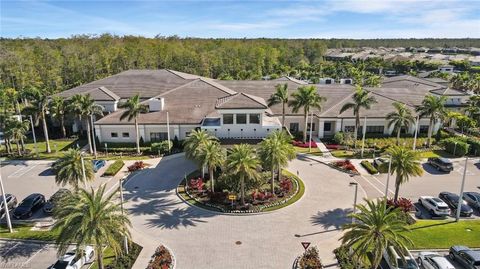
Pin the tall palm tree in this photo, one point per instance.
(194, 143)
(361, 99)
(280, 96)
(212, 156)
(76, 109)
(38, 108)
(58, 109)
(68, 169)
(434, 108)
(91, 218)
(275, 151)
(88, 109)
(376, 228)
(402, 117)
(306, 97)
(15, 131)
(243, 162)
(405, 164)
(473, 108)
(133, 108)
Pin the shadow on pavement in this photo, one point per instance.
(13, 249)
(332, 218)
(432, 170)
(180, 217)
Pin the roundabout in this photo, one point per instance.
(216, 240)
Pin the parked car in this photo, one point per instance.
(32, 203)
(52, 202)
(434, 205)
(11, 203)
(71, 260)
(468, 258)
(377, 162)
(433, 260)
(97, 164)
(451, 199)
(472, 199)
(2, 138)
(395, 261)
(441, 164)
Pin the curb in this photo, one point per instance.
(35, 241)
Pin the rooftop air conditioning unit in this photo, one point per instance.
(156, 104)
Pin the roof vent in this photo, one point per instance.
(156, 104)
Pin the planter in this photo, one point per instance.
(162, 259)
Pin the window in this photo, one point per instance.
(327, 126)
(375, 129)
(241, 118)
(349, 129)
(158, 136)
(423, 129)
(125, 135)
(313, 126)
(254, 118)
(114, 134)
(294, 127)
(227, 118)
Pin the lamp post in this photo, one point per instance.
(7, 213)
(364, 130)
(354, 199)
(93, 137)
(388, 176)
(416, 133)
(125, 239)
(83, 171)
(454, 148)
(460, 198)
(106, 149)
(311, 127)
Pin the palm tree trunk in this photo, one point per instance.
(99, 257)
(45, 132)
(430, 129)
(137, 136)
(18, 148)
(357, 124)
(283, 115)
(62, 126)
(398, 136)
(212, 187)
(272, 181)
(305, 120)
(242, 190)
(7, 148)
(89, 138)
(80, 127)
(397, 189)
(279, 172)
(22, 143)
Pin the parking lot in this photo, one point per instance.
(22, 178)
(27, 254)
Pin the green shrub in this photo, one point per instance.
(161, 147)
(113, 169)
(369, 167)
(460, 149)
(339, 138)
(310, 259)
(345, 259)
(474, 146)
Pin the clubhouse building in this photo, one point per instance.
(238, 109)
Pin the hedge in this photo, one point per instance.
(459, 146)
(113, 169)
(369, 167)
(161, 147)
(474, 146)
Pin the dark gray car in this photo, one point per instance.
(11, 203)
(470, 259)
(473, 199)
(441, 164)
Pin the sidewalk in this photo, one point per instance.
(325, 152)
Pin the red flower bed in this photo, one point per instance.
(196, 183)
(333, 146)
(161, 259)
(304, 145)
(346, 165)
(286, 185)
(403, 203)
(136, 166)
(261, 195)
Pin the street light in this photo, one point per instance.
(416, 133)
(454, 148)
(7, 212)
(388, 176)
(311, 127)
(125, 240)
(354, 199)
(460, 198)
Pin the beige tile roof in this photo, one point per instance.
(241, 101)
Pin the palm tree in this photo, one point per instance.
(405, 163)
(15, 131)
(88, 109)
(212, 156)
(280, 96)
(133, 108)
(376, 228)
(361, 99)
(76, 108)
(38, 108)
(58, 108)
(402, 117)
(433, 107)
(473, 108)
(68, 169)
(308, 98)
(91, 218)
(243, 162)
(275, 151)
(194, 143)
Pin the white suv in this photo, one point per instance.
(435, 206)
(395, 261)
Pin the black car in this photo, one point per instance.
(472, 198)
(32, 203)
(451, 199)
(441, 164)
(470, 259)
(51, 203)
(11, 203)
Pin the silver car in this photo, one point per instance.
(433, 260)
(472, 198)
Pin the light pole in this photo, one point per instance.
(125, 240)
(83, 171)
(93, 137)
(311, 127)
(168, 134)
(34, 136)
(354, 199)
(106, 149)
(364, 129)
(7, 212)
(454, 148)
(416, 133)
(460, 198)
(388, 176)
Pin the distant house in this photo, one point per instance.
(327, 81)
(446, 68)
(346, 81)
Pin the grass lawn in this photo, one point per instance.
(22, 231)
(436, 153)
(315, 150)
(444, 233)
(58, 146)
(349, 154)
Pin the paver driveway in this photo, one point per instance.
(203, 239)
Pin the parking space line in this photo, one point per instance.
(375, 187)
(34, 254)
(19, 172)
(389, 190)
(5, 254)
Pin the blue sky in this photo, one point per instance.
(283, 19)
